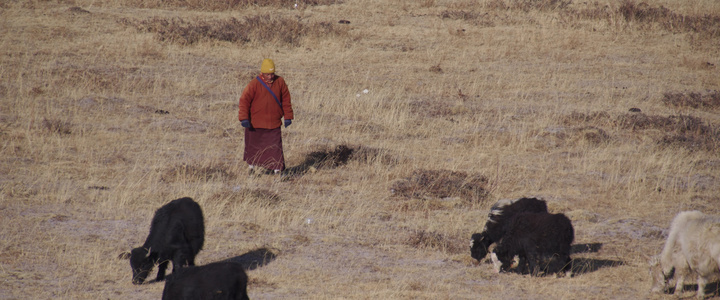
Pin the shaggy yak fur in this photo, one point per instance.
(540, 240)
(218, 281)
(691, 249)
(498, 221)
(177, 234)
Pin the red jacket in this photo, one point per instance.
(259, 106)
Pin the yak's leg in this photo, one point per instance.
(679, 283)
(702, 281)
(532, 259)
(161, 270)
(497, 264)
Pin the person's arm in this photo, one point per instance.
(245, 101)
(286, 102)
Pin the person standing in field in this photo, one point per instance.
(264, 104)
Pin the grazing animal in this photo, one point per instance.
(692, 248)
(218, 281)
(497, 223)
(177, 234)
(540, 240)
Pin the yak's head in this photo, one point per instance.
(479, 245)
(141, 264)
(660, 278)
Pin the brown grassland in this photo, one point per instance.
(609, 110)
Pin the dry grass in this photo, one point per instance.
(412, 118)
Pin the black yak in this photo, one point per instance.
(692, 248)
(540, 240)
(498, 218)
(177, 234)
(218, 281)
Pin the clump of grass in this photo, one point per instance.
(472, 17)
(528, 5)
(593, 135)
(284, 30)
(709, 100)
(679, 123)
(668, 19)
(222, 5)
(239, 195)
(423, 239)
(578, 118)
(459, 15)
(197, 173)
(683, 131)
(692, 142)
(56, 126)
(425, 184)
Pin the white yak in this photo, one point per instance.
(692, 248)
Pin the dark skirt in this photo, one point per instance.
(263, 148)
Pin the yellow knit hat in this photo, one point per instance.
(268, 66)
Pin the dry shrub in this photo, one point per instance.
(78, 10)
(681, 123)
(563, 137)
(709, 100)
(592, 135)
(427, 205)
(56, 126)
(542, 5)
(639, 14)
(577, 118)
(460, 15)
(367, 154)
(187, 172)
(239, 195)
(682, 131)
(424, 184)
(692, 141)
(436, 69)
(640, 121)
(596, 11)
(221, 5)
(528, 5)
(422, 239)
(263, 28)
(671, 21)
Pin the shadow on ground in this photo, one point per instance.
(711, 289)
(333, 158)
(589, 265)
(322, 159)
(585, 248)
(255, 258)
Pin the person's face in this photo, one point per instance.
(267, 76)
